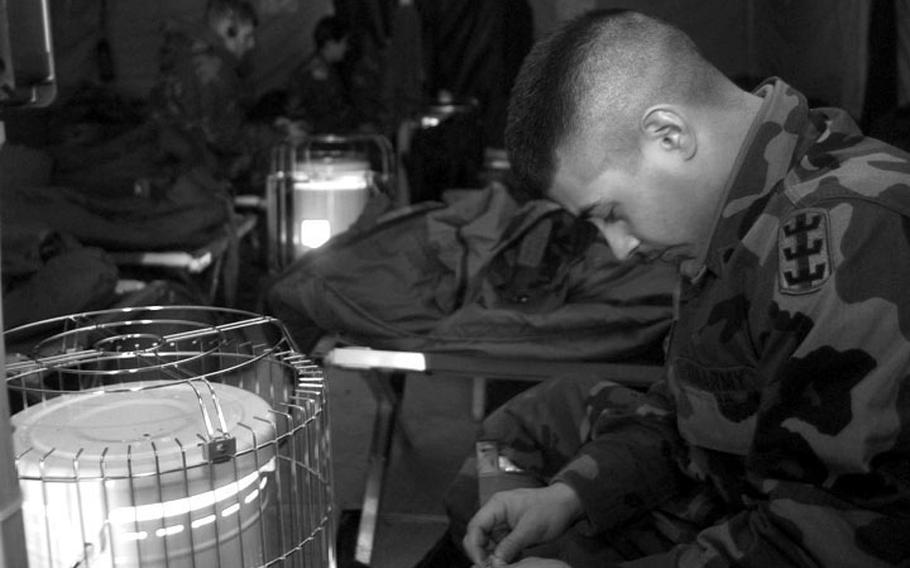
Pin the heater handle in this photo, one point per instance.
(218, 445)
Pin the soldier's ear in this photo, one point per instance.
(668, 129)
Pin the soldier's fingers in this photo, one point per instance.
(475, 545)
(511, 545)
(480, 532)
(528, 531)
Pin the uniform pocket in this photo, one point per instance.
(717, 406)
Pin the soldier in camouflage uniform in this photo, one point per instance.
(784, 418)
(201, 98)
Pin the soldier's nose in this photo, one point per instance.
(617, 235)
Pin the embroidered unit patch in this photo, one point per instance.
(805, 263)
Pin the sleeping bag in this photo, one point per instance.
(477, 272)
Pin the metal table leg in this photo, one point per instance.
(387, 388)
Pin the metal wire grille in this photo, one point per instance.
(170, 436)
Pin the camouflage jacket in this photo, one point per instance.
(200, 98)
(787, 392)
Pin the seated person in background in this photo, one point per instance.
(780, 435)
(317, 93)
(201, 98)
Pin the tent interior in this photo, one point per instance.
(829, 51)
(853, 54)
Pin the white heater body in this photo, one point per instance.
(329, 193)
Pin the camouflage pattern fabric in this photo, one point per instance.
(788, 366)
(540, 430)
(200, 102)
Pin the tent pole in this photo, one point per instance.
(12, 530)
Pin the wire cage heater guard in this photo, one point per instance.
(177, 436)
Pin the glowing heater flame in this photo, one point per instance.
(184, 505)
(315, 232)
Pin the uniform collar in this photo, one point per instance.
(779, 136)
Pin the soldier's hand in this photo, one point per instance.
(514, 520)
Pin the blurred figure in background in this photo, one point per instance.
(318, 93)
(202, 97)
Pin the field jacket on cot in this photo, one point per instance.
(787, 387)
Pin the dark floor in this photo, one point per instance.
(436, 413)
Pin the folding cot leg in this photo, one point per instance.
(387, 387)
(478, 398)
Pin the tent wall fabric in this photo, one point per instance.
(284, 39)
(473, 50)
(820, 47)
(902, 19)
(719, 27)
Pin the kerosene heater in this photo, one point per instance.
(318, 188)
(173, 437)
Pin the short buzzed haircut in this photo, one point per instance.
(601, 69)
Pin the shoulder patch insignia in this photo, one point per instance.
(804, 258)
